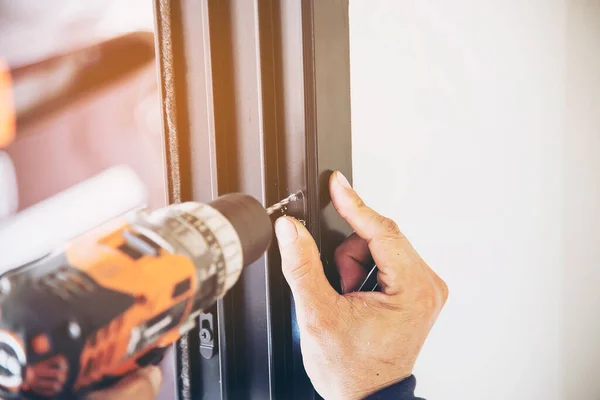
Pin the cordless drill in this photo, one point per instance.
(86, 315)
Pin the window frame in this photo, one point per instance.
(255, 97)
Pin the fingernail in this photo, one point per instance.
(155, 377)
(342, 180)
(286, 230)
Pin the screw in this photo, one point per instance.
(74, 330)
(205, 335)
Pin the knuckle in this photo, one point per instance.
(439, 284)
(388, 226)
(300, 269)
(296, 260)
(426, 299)
(358, 203)
(430, 296)
(443, 289)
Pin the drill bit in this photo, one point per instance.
(278, 206)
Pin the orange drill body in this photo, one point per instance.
(144, 279)
(8, 120)
(84, 316)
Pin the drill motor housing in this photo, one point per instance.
(82, 317)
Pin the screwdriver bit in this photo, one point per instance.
(280, 205)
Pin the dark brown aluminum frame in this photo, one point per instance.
(256, 99)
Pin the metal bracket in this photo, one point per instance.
(207, 336)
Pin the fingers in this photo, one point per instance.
(365, 221)
(352, 259)
(302, 267)
(143, 385)
(393, 254)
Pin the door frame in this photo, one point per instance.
(255, 97)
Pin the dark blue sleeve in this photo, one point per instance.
(403, 390)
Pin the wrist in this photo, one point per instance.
(400, 389)
(364, 390)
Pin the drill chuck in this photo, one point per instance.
(220, 238)
(250, 221)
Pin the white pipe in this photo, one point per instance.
(9, 196)
(39, 229)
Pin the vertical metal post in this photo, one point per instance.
(256, 99)
(183, 49)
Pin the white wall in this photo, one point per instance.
(476, 125)
(581, 204)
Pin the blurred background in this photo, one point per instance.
(482, 120)
(85, 90)
(85, 87)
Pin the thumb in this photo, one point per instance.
(143, 384)
(302, 267)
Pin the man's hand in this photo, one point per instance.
(357, 343)
(141, 385)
